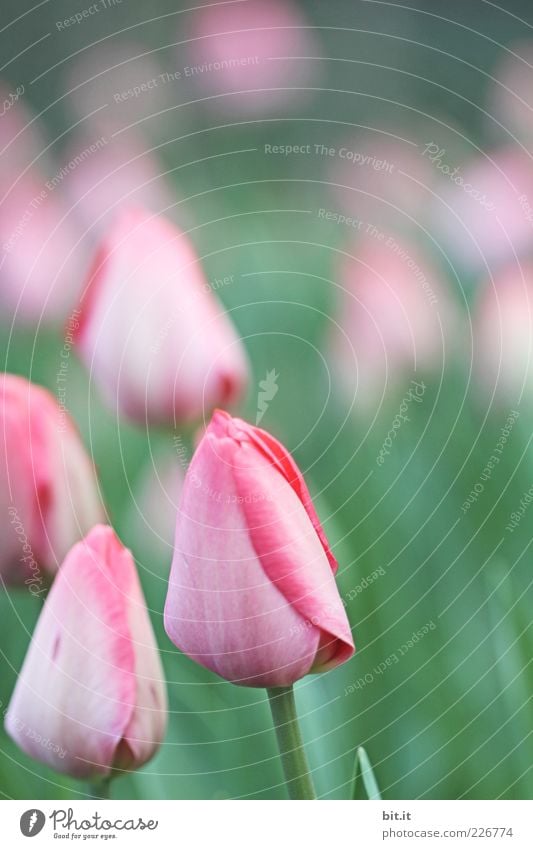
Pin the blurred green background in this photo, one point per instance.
(453, 717)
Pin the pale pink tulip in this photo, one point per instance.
(483, 216)
(90, 698)
(155, 498)
(42, 262)
(503, 332)
(252, 594)
(511, 93)
(119, 171)
(381, 181)
(395, 319)
(48, 490)
(152, 334)
(249, 58)
(116, 84)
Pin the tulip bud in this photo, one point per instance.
(117, 172)
(42, 262)
(48, 489)
(251, 594)
(395, 318)
(151, 331)
(480, 213)
(240, 57)
(502, 332)
(90, 697)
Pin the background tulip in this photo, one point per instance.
(48, 490)
(151, 332)
(251, 594)
(395, 318)
(241, 57)
(503, 332)
(121, 171)
(42, 262)
(91, 685)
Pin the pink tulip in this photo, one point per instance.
(249, 58)
(117, 172)
(42, 264)
(20, 138)
(510, 95)
(48, 489)
(503, 332)
(381, 181)
(116, 84)
(485, 219)
(90, 696)
(152, 333)
(395, 319)
(152, 514)
(252, 594)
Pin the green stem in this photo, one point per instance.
(100, 788)
(290, 743)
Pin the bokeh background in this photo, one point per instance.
(395, 97)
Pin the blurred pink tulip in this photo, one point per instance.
(48, 489)
(90, 696)
(252, 594)
(382, 181)
(238, 52)
(395, 318)
(511, 93)
(152, 515)
(503, 332)
(151, 332)
(42, 263)
(486, 219)
(20, 138)
(120, 171)
(114, 85)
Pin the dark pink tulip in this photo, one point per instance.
(252, 594)
(90, 696)
(48, 490)
(154, 337)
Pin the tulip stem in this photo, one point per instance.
(100, 788)
(290, 743)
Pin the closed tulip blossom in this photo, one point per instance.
(48, 488)
(395, 319)
(43, 263)
(503, 333)
(252, 594)
(153, 335)
(251, 58)
(90, 699)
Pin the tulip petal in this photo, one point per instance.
(221, 609)
(292, 554)
(76, 693)
(278, 455)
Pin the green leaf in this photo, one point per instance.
(363, 769)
